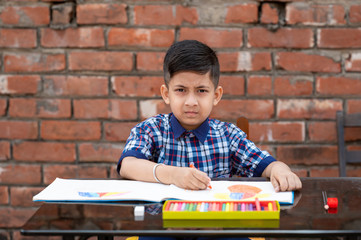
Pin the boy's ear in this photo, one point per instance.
(217, 95)
(165, 93)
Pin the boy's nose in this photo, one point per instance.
(191, 100)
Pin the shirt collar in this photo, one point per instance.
(201, 132)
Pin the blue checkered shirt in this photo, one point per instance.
(217, 148)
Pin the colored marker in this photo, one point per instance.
(223, 207)
(274, 206)
(270, 207)
(190, 207)
(258, 205)
(168, 206)
(243, 207)
(191, 165)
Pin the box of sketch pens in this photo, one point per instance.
(225, 214)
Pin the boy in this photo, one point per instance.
(165, 148)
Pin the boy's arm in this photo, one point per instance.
(183, 177)
(281, 176)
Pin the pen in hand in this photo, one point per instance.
(191, 165)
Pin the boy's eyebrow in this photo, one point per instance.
(182, 86)
(202, 86)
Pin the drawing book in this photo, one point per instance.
(71, 190)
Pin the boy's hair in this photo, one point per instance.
(191, 55)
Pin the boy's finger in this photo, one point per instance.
(202, 178)
(275, 184)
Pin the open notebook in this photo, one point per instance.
(70, 190)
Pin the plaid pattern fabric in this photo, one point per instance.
(217, 148)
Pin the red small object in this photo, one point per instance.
(332, 202)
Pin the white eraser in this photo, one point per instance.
(139, 213)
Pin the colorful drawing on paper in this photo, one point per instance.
(101, 194)
(241, 192)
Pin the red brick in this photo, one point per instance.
(164, 15)
(316, 15)
(242, 13)
(244, 61)
(62, 14)
(302, 62)
(73, 37)
(269, 13)
(44, 151)
(355, 14)
(4, 195)
(34, 62)
(75, 86)
(324, 172)
(338, 86)
(353, 172)
(20, 174)
(40, 107)
(300, 172)
(96, 171)
(114, 173)
(252, 109)
(259, 85)
(25, 15)
(118, 131)
(352, 134)
(73, 171)
(14, 217)
(308, 155)
(232, 85)
(23, 196)
(19, 84)
(3, 107)
(150, 61)
(18, 38)
(99, 152)
(4, 151)
(140, 37)
(101, 13)
(6, 234)
(214, 38)
(339, 38)
(353, 62)
(282, 38)
(18, 130)
(322, 131)
(101, 61)
(353, 106)
(149, 108)
(308, 108)
(70, 130)
(277, 132)
(137, 86)
(105, 108)
(293, 86)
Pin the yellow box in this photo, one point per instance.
(177, 213)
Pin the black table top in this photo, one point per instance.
(305, 218)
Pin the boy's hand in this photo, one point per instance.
(190, 178)
(282, 178)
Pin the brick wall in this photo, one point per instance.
(75, 76)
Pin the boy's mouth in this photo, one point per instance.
(191, 113)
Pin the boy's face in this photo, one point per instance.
(191, 97)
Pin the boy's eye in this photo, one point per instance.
(179, 90)
(202, 90)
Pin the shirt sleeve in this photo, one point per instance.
(248, 159)
(140, 144)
